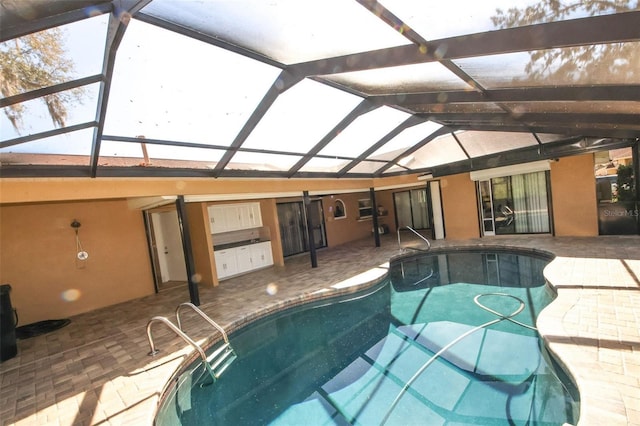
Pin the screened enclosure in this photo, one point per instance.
(331, 89)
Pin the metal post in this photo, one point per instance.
(188, 252)
(312, 243)
(374, 216)
(635, 155)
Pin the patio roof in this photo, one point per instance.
(330, 89)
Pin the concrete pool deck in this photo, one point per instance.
(96, 370)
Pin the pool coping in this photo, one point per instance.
(601, 401)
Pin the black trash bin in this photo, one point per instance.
(8, 347)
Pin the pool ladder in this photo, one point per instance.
(423, 238)
(217, 362)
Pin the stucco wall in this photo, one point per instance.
(349, 228)
(38, 248)
(460, 207)
(269, 212)
(201, 244)
(573, 188)
(385, 200)
(38, 257)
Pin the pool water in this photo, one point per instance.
(449, 338)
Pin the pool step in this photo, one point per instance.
(221, 359)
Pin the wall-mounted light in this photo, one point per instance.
(426, 176)
(82, 255)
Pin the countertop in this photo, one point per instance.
(239, 244)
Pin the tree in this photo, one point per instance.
(626, 186)
(32, 62)
(576, 64)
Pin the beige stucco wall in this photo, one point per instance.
(269, 212)
(350, 227)
(37, 243)
(38, 257)
(201, 244)
(573, 188)
(460, 208)
(385, 200)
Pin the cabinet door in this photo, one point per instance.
(232, 217)
(253, 217)
(261, 255)
(243, 256)
(217, 219)
(226, 263)
(249, 215)
(244, 212)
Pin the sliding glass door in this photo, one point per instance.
(293, 227)
(412, 209)
(516, 204)
(530, 202)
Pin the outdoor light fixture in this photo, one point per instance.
(82, 255)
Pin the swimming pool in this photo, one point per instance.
(447, 338)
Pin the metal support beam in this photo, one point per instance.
(312, 243)
(183, 223)
(284, 82)
(602, 29)
(362, 108)
(441, 131)
(635, 155)
(611, 92)
(118, 22)
(374, 216)
(409, 122)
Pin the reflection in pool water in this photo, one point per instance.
(449, 338)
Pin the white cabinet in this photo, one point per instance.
(250, 216)
(242, 259)
(226, 262)
(217, 219)
(234, 217)
(261, 255)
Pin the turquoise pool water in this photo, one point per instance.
(448, 339)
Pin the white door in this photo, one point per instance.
(436, 207)
(169, 245)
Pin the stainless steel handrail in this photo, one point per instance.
(184, 337)
(203, 315)
(176, 330)
(415, 232)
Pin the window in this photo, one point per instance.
(364, 208)
(339, 211)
